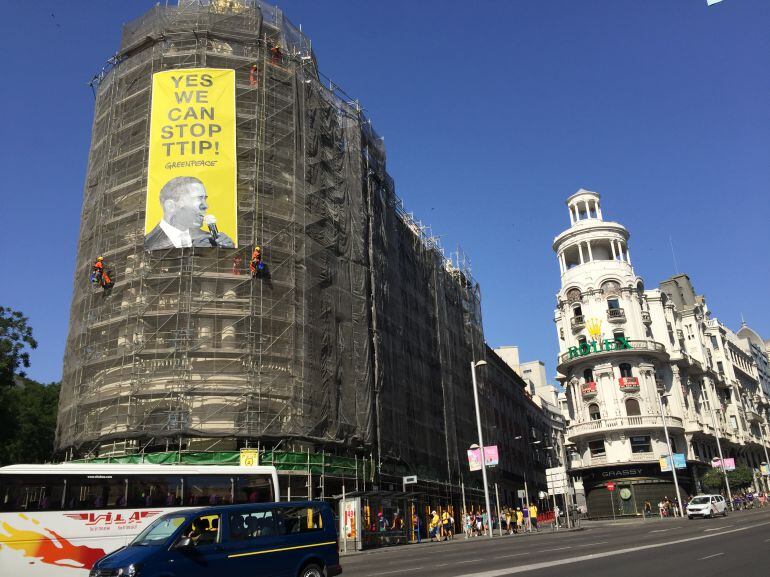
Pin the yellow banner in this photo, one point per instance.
(191, 186)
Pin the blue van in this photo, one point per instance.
(290, 539)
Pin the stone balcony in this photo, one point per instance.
(622, 423)
(588, 390)
(578, 322)
(646, 317)
(616, 315)
(628, 384)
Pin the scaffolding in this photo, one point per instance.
(358, 346)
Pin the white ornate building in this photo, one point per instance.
(622, 348)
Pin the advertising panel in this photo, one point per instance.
(679, 462)
(191, 183)
(490, 454)
(729, 464)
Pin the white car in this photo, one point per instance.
(707, 506)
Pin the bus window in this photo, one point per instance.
(96, 492)
(155, 491)
(254, 489)
(33, 493)
(202, 490)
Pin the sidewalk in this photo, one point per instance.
(458, 539)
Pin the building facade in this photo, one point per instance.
(632, 358)
(350, 362)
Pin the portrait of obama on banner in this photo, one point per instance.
(192, 163)
(183, 200)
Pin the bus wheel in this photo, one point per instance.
(311, 570)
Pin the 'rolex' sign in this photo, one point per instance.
(599, 346)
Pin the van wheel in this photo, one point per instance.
(311, 570)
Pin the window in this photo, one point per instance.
(618, 336)
(625, 370)
(203, 490)
(641, 444)
(714, 342)
(254, 489)
(155, 491)
(613, 304)
(582, 341)
(577, 311)
(720, 367)
(632, 408)
(588, 375)
(33, 493)
(203, 530)
(594, 412)
(252, 525)
(733, 422)
(300, 520)
(597, 448)
(96, 492)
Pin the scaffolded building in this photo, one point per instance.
(357, 348)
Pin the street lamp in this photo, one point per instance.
(670, 453)
(717, 432)
(475, 364)
(526, 489)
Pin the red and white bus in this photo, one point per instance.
(59, 519)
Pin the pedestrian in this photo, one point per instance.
(527, 523)
(556, 513)
(434, 526)
(533, 517)
(519, 520)
(468, 525)
(479, 523)
(647, 509)
(417, 527)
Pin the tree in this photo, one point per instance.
(27, 422)
(713, 479)
(15, 338)
(741, 477)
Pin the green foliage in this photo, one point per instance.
(27, 422)
(15, 338)
(741, 477)
(713, 479)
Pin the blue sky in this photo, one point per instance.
(493, 113)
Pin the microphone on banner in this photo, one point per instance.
(211, 223)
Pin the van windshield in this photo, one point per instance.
(700, 501)
(159, 531)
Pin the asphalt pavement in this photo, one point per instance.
(736, 545)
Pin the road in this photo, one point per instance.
(736, 545)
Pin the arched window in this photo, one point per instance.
(632, 408)
(594, 412)
(625, 370)
(577, 310)
(588, 375)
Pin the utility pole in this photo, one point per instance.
(475, 364)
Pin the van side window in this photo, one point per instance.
(300, 520)
(203, 530)
(251, 525)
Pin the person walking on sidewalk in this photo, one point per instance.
(417, 527)
(525, 516)
(519, 520)
(434, 526)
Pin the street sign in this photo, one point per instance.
(557, 481)
(249, 457)
(410, 480)
(610, 486)
(521, 494)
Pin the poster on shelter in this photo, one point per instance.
(191, 184)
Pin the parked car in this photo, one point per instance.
(289, 539)
(707, 506)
